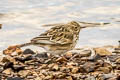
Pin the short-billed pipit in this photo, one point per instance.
(59, 39)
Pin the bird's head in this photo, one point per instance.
(75, 26)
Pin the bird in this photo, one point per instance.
(59, 39)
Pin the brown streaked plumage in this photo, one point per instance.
(59, 39)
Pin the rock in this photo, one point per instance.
(68, 55)
(8, 71)
(18, 67)
(80, 65)
(8, 65)
(102, 51)
(59, 75)
(14, 78)
(50, 65)
(28, 51)
(44, 66)
(55, 67)
(75, 69)
(85, 53)
(91, 78)
(61, 59)
(8, 59)
(72, 64)
(48, 61)
(30, 77)
(112, 58)
(95, 57)
(113, 78)
(25, 58)
(18, 51)
(106, 76)
(41, 55)
(69, 78)
(24, 73)
(48, 77)
(89, 67)
(11, 49)
(118, 60)
(64, 69)
(105, 70)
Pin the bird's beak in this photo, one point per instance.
(86, 24)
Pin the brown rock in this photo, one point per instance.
(50, 65)
(61, 59)
(118, 60)
(55, 67)
(75, 69)
(18, 67)
(68, 54)
(30, 77)
(18, 51)
(59, 75)
(48, 77)
(28, 51)
(64, 69)
(8, 71)
(106, 70)
(11, 49)
(89, 67)
(72, 64)
(69, 78)
(102, 51)
(85, 53)
(44, 66)
(8, 65)
(23, 73)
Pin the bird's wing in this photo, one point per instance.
(56, 35)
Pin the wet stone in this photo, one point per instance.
(25, 58)
(8, 65)
(95, 57)
(28, 51)
(14, 78)
(18, 67)
(41, 55)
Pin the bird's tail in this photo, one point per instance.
(25, 44)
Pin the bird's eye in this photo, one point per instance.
(76, 28)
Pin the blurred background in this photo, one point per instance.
(23, 19)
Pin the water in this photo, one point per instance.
(22, 19)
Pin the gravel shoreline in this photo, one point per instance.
(100, 63)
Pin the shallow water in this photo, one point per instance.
(22, 19)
